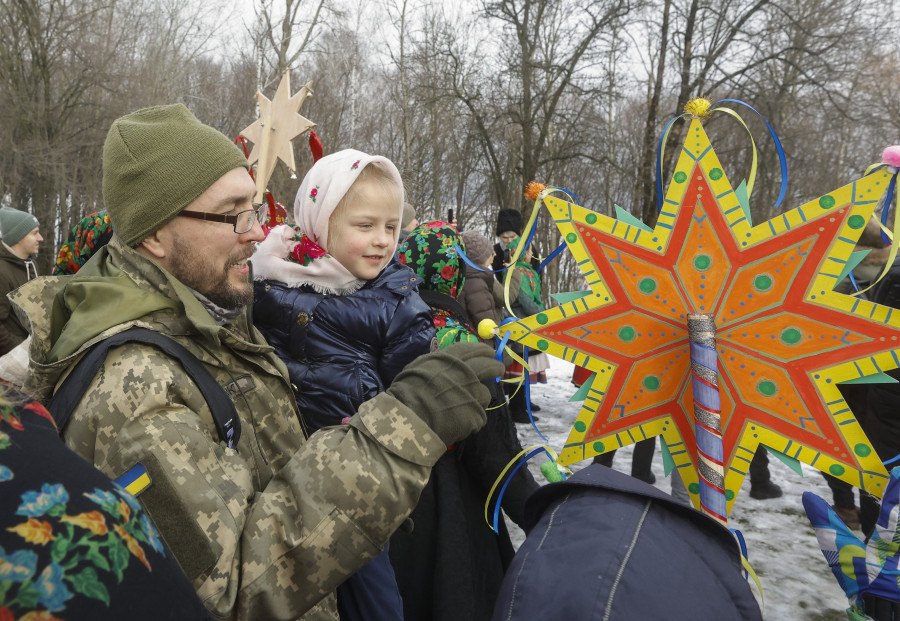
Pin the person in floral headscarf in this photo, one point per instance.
(73, 543)
(430, 251)
(343, 315)
(87, 237)
(451, 565)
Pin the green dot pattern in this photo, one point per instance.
(763, 282)
(598, 446)
(651, 382)
(579, 426)
(856, 222)
(680, 177)
(647, 285)
(791, 336)
(626, 333)
(702, 262)
(729, 494)
(542, 318)
(591, 218)
(837, 470)
(715, 174)
(766, 388)
(543, 345)
(862, 450)
(571, 238)
(826, 202)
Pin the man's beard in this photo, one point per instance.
(200, 274)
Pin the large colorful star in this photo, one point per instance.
(271, 134)
(784, 338)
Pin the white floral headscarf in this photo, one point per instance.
(298, 255)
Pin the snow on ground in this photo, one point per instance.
(797, 583)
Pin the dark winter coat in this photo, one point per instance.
(450, 566)
(882, 422)
(341, 350)
(603, 545)
(482, 295)
(477, 296)
(14, 272)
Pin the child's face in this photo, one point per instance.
(365, 235)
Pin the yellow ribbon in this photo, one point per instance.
(519, 249)
(751, 179)
(745, 563)
(512, 462)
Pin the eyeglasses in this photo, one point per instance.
(242, 221)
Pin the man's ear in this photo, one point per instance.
(156, 245)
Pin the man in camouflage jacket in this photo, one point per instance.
(269, 529)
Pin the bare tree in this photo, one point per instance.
(289, 27)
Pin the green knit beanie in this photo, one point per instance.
(155, 162)
(15, 224)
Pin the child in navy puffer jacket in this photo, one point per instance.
(342, 314)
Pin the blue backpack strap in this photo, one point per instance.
(68, 396)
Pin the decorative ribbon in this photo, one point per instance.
(707, 414)
(514, 464)
(752, 177)
(887, 234)
(748, 569)
(552, 256)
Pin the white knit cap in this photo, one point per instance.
(324, 186)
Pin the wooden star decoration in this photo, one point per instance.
(277, 126)
(784, 338)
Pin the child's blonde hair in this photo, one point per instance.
(377, 174)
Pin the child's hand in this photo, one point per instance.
(861, 568)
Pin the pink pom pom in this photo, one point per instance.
(891, 156)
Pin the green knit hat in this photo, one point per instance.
(15, 224)
(155, 162)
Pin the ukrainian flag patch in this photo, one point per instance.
(135, 480)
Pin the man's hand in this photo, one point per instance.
(445, 388)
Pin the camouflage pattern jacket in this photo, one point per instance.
(266, 531)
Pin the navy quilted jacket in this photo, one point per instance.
(341, 350)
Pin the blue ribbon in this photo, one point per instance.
(781, 157)
(743, 544)
(551, 257)
(888, 199)
(509, 477)
(892, 460)
(468, 261)
(659, 150)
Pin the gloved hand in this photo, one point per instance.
(867, 569)
(444, 388)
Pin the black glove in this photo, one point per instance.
(444, 388)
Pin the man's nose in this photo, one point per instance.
(255, 234)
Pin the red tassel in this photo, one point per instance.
(315, 146)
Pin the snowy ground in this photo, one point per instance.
(796, 581)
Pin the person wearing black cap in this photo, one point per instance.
(509, 226)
